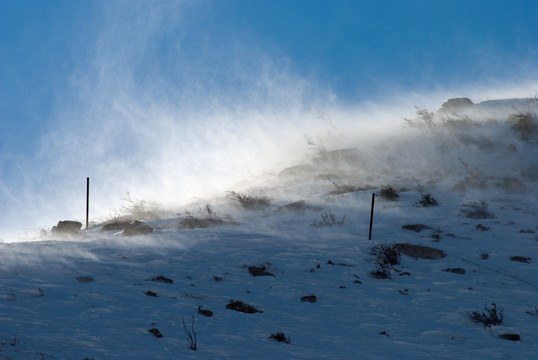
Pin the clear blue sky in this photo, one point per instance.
(60, 58)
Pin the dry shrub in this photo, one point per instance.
(250, 201)
(388, 193)
(208, 218)
(329, 219)
(525, 125)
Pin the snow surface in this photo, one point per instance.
(420, 313)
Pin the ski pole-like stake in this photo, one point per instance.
(87, 200)
(371, 217)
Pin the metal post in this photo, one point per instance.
(371, 217)
(87, 200)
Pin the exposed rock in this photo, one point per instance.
(242, 307)
(204, 312)
(511, 337)
(115, 226)
(521, 259)
(514, 185)
(280, 337)
(155, 332)
(67, 227)
(455, 270)
(85, 279)
(309, 298)
(420, 251)
(137, 228)
(161, 279)
(416, 227)
(151, 293)
(455, 105)
(296, 207)
(259, 271)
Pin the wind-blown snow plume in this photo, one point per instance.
(167, 112)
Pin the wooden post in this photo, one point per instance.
(371, 217)
(87, 200)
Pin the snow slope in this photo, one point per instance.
(86, 297)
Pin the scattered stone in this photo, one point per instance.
(482, 227)
(67, 227)
(416, 227)
(404, 292)
(242, 307)
(296, 207)
(155, 332)
(419, 251)
(137, 228)
(530, 231)
(330, 262)
(455, 105)
(217, 278)
(309, 298)
(151, 293)
(204, 312)
(436, 238)
(357, 282)
(521, 259)
(85, 279)
(280, 337)
(514, 185)
(259, 271)
(161, 279)
(511, 337)
(115, 226)
(384, 333)
(405, 273)
(455, 270)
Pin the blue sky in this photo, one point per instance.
(72, 71)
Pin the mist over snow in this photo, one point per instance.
(169, 107)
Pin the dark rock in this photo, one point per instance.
(161, 279)
(455, 270)
(259, 271)
(511, 337)
(85, 279)
(204, 312)
(217, 278)
(521, 259)
(242, 307)
(67, 227)
(151, 293)
(419, 251)
(296, 207)
(384, 333)
(115, 226)
(155, 332)
(137, 228)
(482, 227)
(455, 105)
(280, 337)
(309, 298)
(416, 227)
(330, 262)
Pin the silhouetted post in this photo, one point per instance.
(371, 217)
(87, 200)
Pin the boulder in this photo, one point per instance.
(419, 251)
(67, 227)
(455, 105)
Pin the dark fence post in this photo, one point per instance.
(87, 200)
(371, 217)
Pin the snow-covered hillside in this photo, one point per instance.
(322, 285)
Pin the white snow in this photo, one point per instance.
(46, 313)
